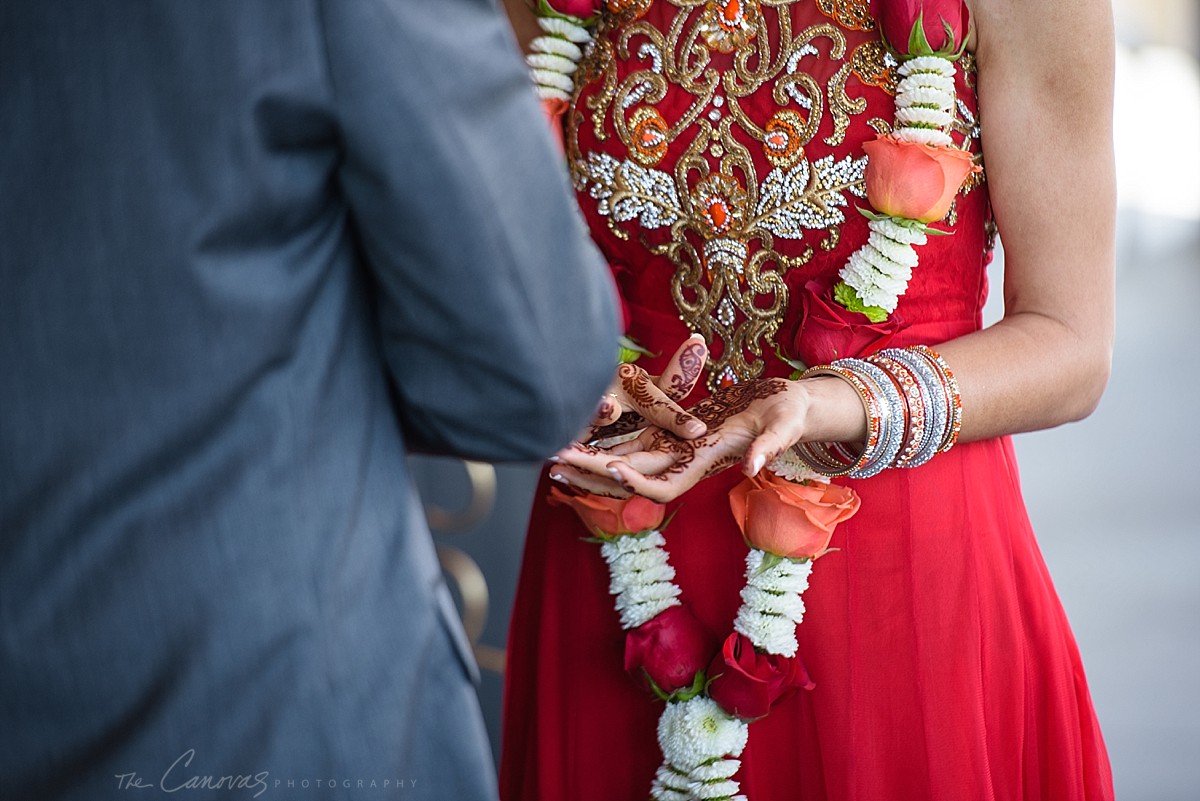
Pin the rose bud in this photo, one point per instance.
(669, 649)
(745, 682)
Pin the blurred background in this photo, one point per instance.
(1111, 497)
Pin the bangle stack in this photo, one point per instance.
(913, 412)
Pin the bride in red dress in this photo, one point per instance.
(718, 150)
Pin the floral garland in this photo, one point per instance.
(787, 514)
(711, 700)
(914, 172)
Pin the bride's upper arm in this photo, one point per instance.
(1045, 100)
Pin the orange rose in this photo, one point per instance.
(612, 516)
(791, 520)
(912, 180)
(555, 109)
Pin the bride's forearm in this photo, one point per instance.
(1028, 372)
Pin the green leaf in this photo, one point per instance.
(663, 525)
(654, 688)
(795, 364)
(918, 45)
(769, 561)
(699, 685)
(630, 351)
(844, 294)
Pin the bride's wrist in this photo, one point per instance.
(833, 411)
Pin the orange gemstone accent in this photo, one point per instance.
(732, 13)
(719, 214)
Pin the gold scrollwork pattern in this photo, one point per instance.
(723, 218)
(718, 216)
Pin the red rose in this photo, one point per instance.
(827, 331)
(913, 180)
(670, 649)
(612, 516)
(745, 682)
(792, 520)
(944, 24)
(582, 9)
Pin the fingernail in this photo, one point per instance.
(559, 477)
(695, 428)
(615, 473)
(757, 464)
(555, 459)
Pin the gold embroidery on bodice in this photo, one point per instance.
(722, 217)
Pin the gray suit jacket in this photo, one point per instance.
(250, 251)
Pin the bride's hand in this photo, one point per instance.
(750, 424)
(637, 399)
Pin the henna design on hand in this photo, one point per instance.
(637, 385)
(735, 399)
(714, 411)
(691, 362)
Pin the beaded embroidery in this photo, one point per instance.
(720, 217)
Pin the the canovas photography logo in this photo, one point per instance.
(180, 776)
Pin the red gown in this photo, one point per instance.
(718, 160)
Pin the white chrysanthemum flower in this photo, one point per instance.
(653, 539)
(928, 82)
(893, 276)
(927, 64)
(774, 634)
(637, 561)
(555, 80)
(777, 583)
(639, 614)
(654, 573)
(717, 791)
(552, 62)
(896, 252)
(794, 571)
(567, 30)
(923, 96)
(787, 604)
(696, 731)
(925, 136)
(554, 58)
(661, 793)
(641, 577)
(632, 552)
(550, 93)
(645, 593)
(658, 793)
(715, 771)
(880, 270)
(865, 279)
(771, 603)
(920, 116)
(790, 467)
(898, 233)
(671, 784)
(554, 45)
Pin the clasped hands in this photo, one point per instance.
(748, 424)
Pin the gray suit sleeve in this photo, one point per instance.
(497, 313)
